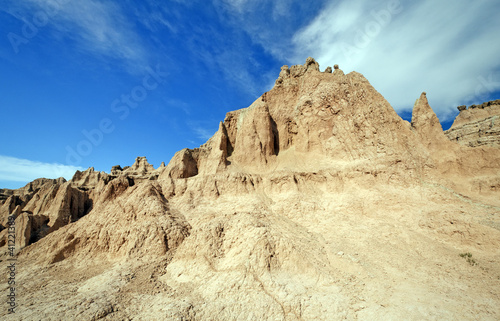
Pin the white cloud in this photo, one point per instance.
(270, 24)
(277, 8)
(238, 5)
(96, 27)
(447, 49)
(212, 49)
(24, 170)
(202, 129)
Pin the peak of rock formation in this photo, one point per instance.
(478, 125)
(308, 115)
(428, 128)
(423, 117)
(316, 202)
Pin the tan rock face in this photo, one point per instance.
(50, 208)
(89, 179)
(128, 221)
(141, 166)
(254, 142)
(477, 125)
(182, 165)
(45, 205)
(22, 195)
(334, 115)
(208, 159)
(426, 125)
(317, 202)
(423, 119)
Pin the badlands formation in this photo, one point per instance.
(478, 125)
(317, 202)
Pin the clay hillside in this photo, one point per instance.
(317, 202)
(477, 125)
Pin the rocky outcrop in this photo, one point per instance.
(20, 197)
(310, 204)
(116, 170)
(89, 179)
(140, 167)
(332, 115)
(254, 141)
(479, 125)
(298, 70)
(210, 158)
(45, 205)
(140, 170)
(486, 104)
(51, 207)
(24, 193)
(127, 223)
(426, 124)
(183, 164)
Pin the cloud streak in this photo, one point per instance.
(14, 169)
(94, 27)
(443, 48)
(202, 130)
(402, 47)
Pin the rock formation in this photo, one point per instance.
(46, 209)
(479, 125)
(317, 202)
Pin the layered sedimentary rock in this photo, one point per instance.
(45, 205)
(317, 202)
(50, 207)
(478, 125)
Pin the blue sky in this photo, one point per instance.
(98, 83)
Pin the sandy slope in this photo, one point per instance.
(316, 203)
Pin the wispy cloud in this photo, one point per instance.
(100, 28)
(221, 54)
(23, 170)
(155, 15)
(447, 49)
(270, 24)
(443, 48)
(202, 130)
(402, 47)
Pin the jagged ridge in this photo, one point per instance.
(297, 208)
